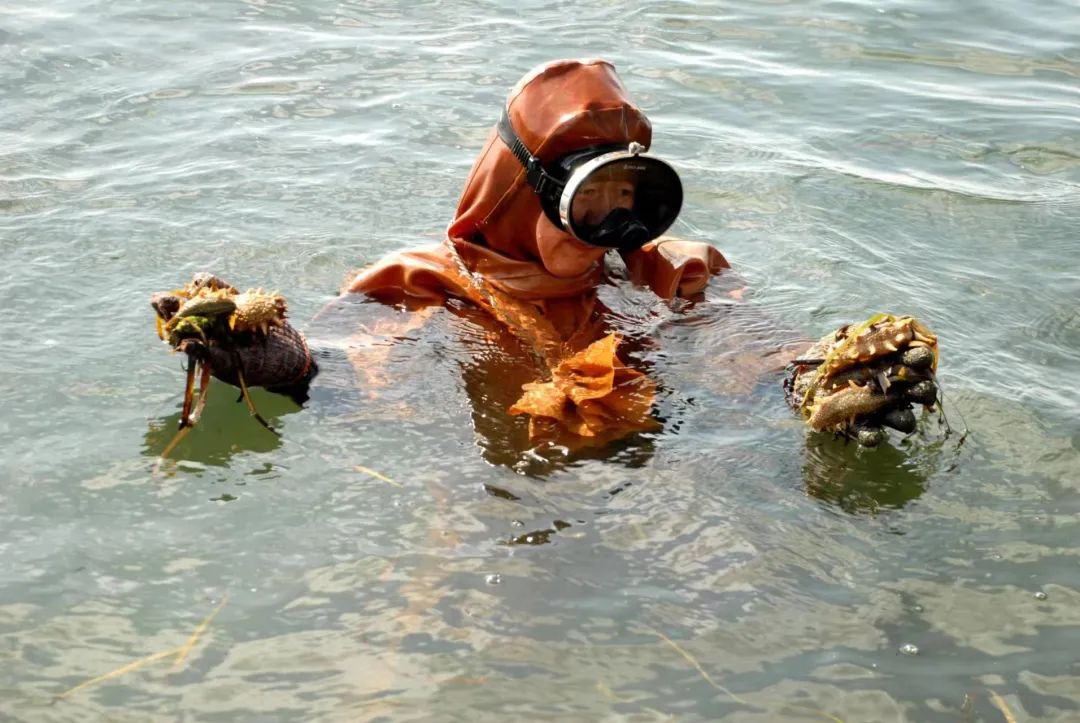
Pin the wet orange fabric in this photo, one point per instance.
(503, 254)
(592, 394)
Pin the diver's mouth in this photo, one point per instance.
(621, 228)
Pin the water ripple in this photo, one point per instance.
(847, 158)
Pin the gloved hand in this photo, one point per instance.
(863, 378)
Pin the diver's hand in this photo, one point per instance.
(859, 388)
(278, 358)
(224, 364)
(893, 393)
(899, 414)
(241, 342)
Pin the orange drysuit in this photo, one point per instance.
(505, 256)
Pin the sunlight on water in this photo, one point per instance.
(400, 551)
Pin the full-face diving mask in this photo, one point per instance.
(611, 196)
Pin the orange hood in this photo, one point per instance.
(500, 230)
(500, 233)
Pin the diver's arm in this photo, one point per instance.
(364, 331)
(674, 267)
(380, 303)
(744, 345)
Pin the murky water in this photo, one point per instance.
(392, 557)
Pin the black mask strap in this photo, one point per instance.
(543, 183)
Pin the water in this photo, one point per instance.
(847, 157)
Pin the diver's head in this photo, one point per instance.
(530, 195)
(607, 195)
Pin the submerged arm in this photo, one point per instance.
(738, 343)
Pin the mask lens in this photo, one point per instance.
(622, 203)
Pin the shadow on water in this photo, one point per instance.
(857, 479)
(493, 381)
(441, 368)
(224, 429)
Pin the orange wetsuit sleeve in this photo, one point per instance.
(674, 267)
(428, 276)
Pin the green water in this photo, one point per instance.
(847, 157)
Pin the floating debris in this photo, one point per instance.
(179, 654)
(909, 649)
(184, 650)
(493, 579)
(773, 706)
(1040, 595)
(376, 475)
(1002, 706)
(135, 665)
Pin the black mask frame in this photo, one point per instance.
(556, 185)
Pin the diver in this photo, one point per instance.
(563, 180)
(563, 198)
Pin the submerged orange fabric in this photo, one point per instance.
(504, 255)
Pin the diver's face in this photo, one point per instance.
(596, 199)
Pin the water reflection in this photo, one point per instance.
(539, 537)
(857, 479)
(225, 428)
(440, 366)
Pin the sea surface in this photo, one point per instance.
(387, 557)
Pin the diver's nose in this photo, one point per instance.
(609, 200)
